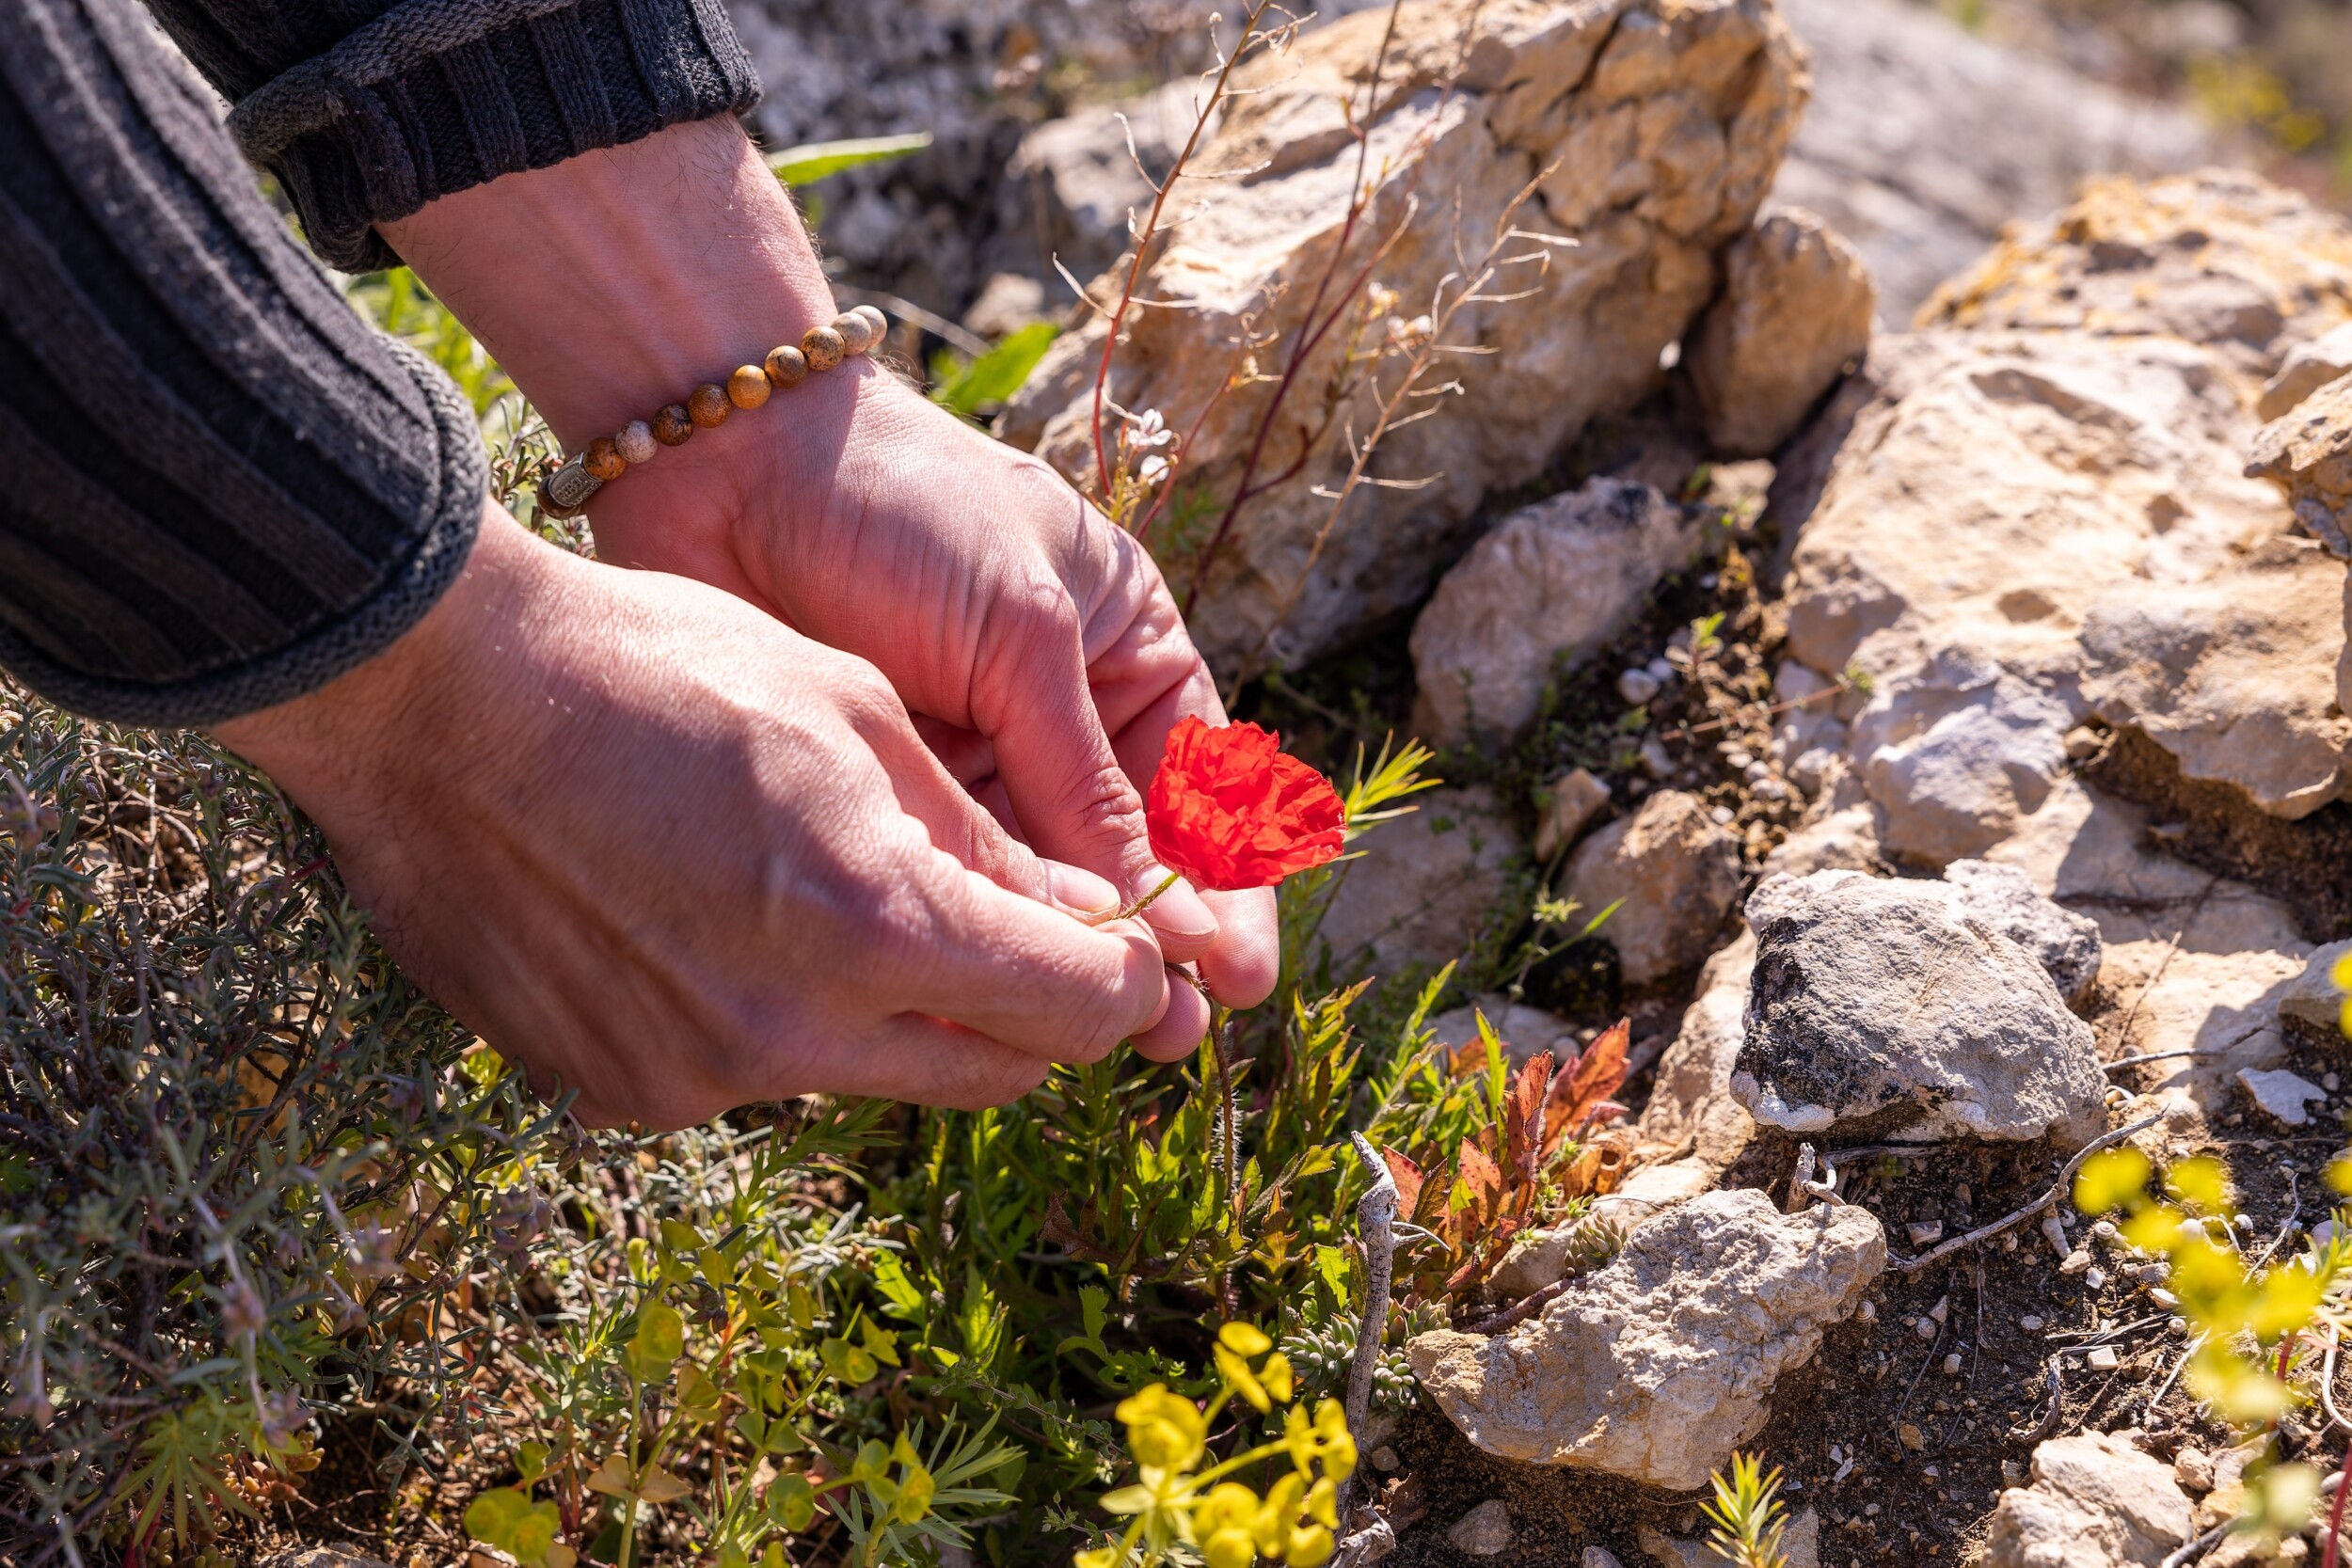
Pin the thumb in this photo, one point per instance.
(1073, 801)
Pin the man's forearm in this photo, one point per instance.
(612, 284)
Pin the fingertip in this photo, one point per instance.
(1245, 960)
(1180, 917)
(1080, 891)
(1182, 1023)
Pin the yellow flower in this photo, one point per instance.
(1310, 1546)
(1238, 1377)
(1323, 1501)
(1165, 1430)
(1229, 1506)
(1244, 1339)
(1275, 1372)
(1230, 1549)
(1272, 1526)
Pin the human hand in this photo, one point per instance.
(662, 850)
(1037, 643)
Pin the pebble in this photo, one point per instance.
(1942, 1309)
(1655, 759)
(2077, 1261)
(2329, 1082)
(2102, 1358)
(2030, 1323)
(2095, 1278)
(1484, 1532)
(1383, 1458)
(2013, 1472)
(1924, 1232)
(1911, 1438)
(2164, 1298)
(1638, 686)
(1739, 758)
(1923, 1327)
(1723, 816)
(1951, 1365)
(1599, 1557)
(1661, 669)
(2193, 1469)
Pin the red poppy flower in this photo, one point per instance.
(1230, 811)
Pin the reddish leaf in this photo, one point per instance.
(1408, 1179)
(1479, 1170)
(1523, 1117)
(1577, 1093)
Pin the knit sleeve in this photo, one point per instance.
(365, 110)
(219, 487)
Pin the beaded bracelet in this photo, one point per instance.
(565, 493)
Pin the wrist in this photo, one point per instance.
(611, 283)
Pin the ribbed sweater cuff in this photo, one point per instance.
(437, 96)
(453, 516)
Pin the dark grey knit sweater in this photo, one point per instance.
(218, 487)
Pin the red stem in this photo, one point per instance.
(2335, 1515)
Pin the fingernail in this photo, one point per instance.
(1081, 891)
(1179, 912)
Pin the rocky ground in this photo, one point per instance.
(1949, 714)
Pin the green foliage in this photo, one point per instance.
(234, 1138)
(406, 310)
(813, 160)
(1747, 1514)
(972, 386)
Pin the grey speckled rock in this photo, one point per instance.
(2095, 1503)
(1673, 876)
(1879, 1008)
(2065, 943)
(1484, 1532)
(1657, 1366)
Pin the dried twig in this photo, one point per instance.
(2057, 1190)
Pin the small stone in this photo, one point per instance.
(2329, 1082)
(2013, 1472)
(1952, 1365)
(1655, 759)
(1383, 1458)
(1673, 876)
(1942, 1311)
(823, 348)
(2030, 1323)
(1924, 1232)
(1484, 1532)
(2102, 1358)
(1924, 1327)
(602, 461)
(1911, 1438)
(786, 367)
(1576, 798)
(1723, 816)
(2282, 1094)
(1638, 686)
(748, 387)
(2193, 1469)
(2074, 1262)
(635, 441)
(2094, 1279)
(1661, 670)
(1598, 1557)
(707, 405)
(673, 426)
(857, 333)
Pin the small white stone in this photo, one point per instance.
(1599, 1557)
(2095, 1278)
(1655, 759)
(2030, 1323)
(1951, 1365)
(1638, 686)
(1942, 1310)
(1660, 670)
(2164, 1298)
(1740, 759)
(2102, 1358)
(2282, 1094)
(1723, 816)
(1924, 1232)
(1923, 1327)
(2329, 1082)
(2075, 1261)
(2013, 1472)
(1484, 1532)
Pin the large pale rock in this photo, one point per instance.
(1656, 1366)
(1661, 122)
(2011, 524)
(2313, 998)
(2235, 675)
(1690, 1101)
(2220, 258)
(2066, 944)
(1674, 875)
(1796, 310)
(1551, 585)
(2095, 1503)
(1425, 889)
(1879, 1007)
(2307, 454)
(1571, 803)
(1924, 139)
(2307, 368)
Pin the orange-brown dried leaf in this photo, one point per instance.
(1577, 1093)
(1407, 1177)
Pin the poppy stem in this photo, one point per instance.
(1150, 898)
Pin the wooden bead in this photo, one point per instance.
(857, 333)
(748, 387)
(787, 366)
(707, 404)
(673, 426)
(635, 441)
(880, 322)
(823, 347)
(603, 460)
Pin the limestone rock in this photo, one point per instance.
(1924, 139)
(1072, 183)
(1878, 1007)
(1574, 800)
(2095, 1503)
(2313, 998)
(1673, 874)
(1690, 1101)
(1656, 1366)
(2307, 368)
(1799, 1544)
(2020, 529)
(1795, 311)
(2066, 944)
(1551, 585)
(2307, 454)
(2220, 258)
(1425, 888)
(1484, 1532)
(2235, 675)
(1662, 122)
(2281, 1094)
(1598, 1557)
